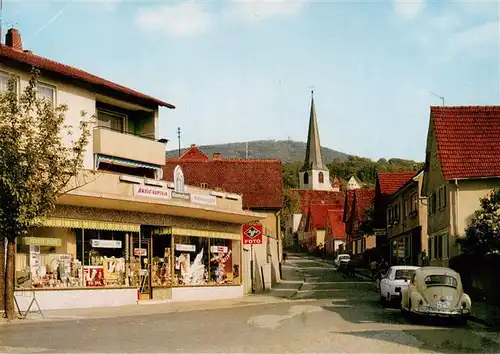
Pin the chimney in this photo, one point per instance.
(193, 145)
(217, 156)
(13, 39)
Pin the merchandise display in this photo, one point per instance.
(160, 270)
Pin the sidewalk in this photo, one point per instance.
(144, 308)
(292, 281)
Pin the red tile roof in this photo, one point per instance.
(348, 204)
(468, 140)
(390, 182)
(310, 197)
(318, 214)
(194, 153)
(364, 200)
(258, 181)
(7, 53)
(334, 219)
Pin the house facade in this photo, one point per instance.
(119, 234)
(335, 235)
(462, 165)
(258, 183)
(357, 203)
(407, 223)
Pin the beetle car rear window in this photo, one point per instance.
(446, 280)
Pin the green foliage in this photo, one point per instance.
(482, 236)
(365, 170)
(36, 163)
(366, 227)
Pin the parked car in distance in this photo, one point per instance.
(396, 277)
(340, 258)
(436, 291)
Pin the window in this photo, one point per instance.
(204, 185)
(224, 261)
(405, 208)
(414, 203)
(4, 82)
(321, 178)
(433, 203)
(442, 197)
(306, 178)
(111, 120)
(46, 92)
(404, 274)
(440, 280)
(191, 260)
(161, 256)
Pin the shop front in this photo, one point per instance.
(83, 263)
(406, 248)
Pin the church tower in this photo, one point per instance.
(314, 175)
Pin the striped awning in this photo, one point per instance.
(205, 233)
(90, 224)
(124, 162)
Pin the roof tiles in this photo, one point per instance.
(7, 53)
(468, 140)
(334, 219)
(390, 182)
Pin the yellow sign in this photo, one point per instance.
(41, 241)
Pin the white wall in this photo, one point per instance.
(206, 293)
(76, 299)
(314, 181)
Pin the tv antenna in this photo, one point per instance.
(179, 140)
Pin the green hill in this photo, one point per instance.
(285, 150)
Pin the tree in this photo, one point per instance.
(39, 156)
(366, 226)
(482, 236)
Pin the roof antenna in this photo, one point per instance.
(439, 96)
(179, 139)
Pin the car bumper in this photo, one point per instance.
(431, 312)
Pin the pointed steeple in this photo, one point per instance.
(314, 158)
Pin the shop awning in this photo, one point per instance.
(124, 162)
(90, 224)
(205, 233)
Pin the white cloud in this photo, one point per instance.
(257, 10)
(408, 9)
(184, 19)
(484, 36)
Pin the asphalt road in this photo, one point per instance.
(327, 314)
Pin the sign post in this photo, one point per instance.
(252, 235)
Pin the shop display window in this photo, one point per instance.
(191, 264)
(161, 262)
(224, 261)
(48, 258)
(104, 258)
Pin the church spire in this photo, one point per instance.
(314, 158)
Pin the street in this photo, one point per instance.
(326, 313)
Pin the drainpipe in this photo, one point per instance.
(278, 239)
(456, 215)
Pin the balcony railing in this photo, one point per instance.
(115, 143)
(144, 136)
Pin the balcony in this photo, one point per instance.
(128, 146)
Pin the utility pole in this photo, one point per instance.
(179, 139)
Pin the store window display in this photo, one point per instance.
(224, 261)
(104, 258)
(190, 260)
(47, 258)
(161, 266)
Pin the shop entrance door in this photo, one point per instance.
(145, 262)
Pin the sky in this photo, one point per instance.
(243, 70)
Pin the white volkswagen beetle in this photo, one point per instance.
(436, 291)
(397, 278)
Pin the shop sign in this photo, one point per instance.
(252, 234)
(183, 196)
(151, 192)
(218, 249)
(106, 243)
(379, 232)
(140, 252)
(185, 248)
(41, 241)
(204, 199)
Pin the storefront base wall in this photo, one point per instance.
(206, 293)
(73, 299)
